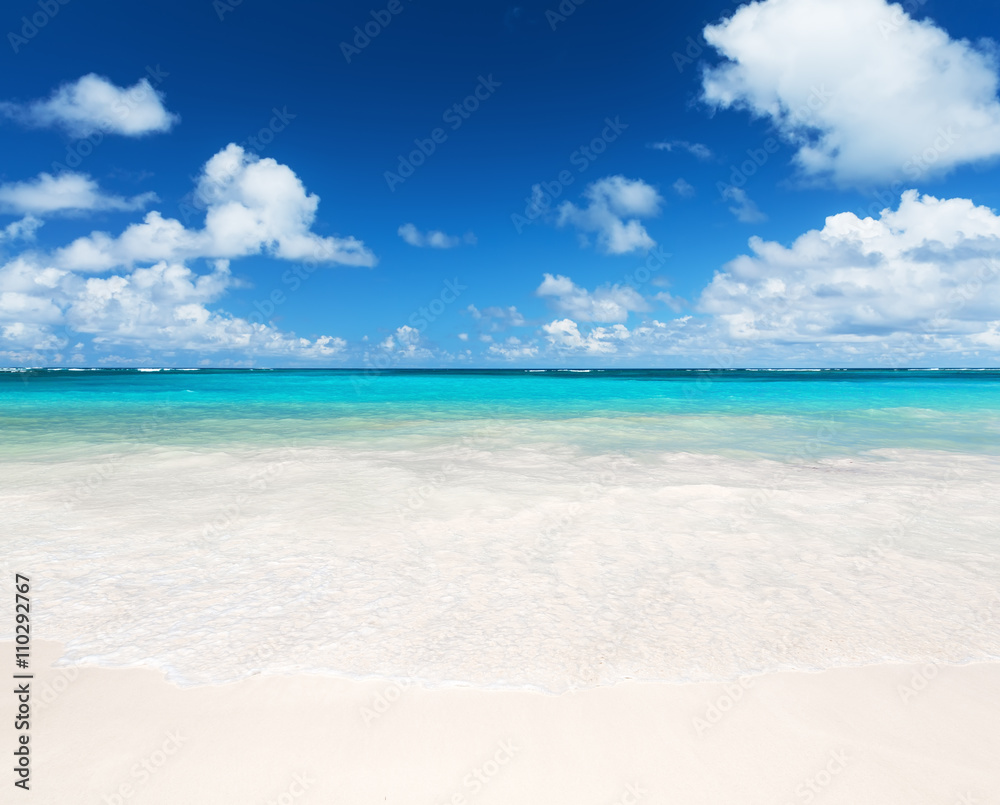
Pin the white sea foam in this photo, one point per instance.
(484, 563)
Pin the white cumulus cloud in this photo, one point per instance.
(22, 229)
(92, 104)
(925, 275)
(609, 303)
(67, 192)
(253, 206)
(564, 336)
(865, 92)
(149, 299)
(609, 202)
(164, 307)
(918, 285)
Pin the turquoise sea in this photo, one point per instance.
(759, 412)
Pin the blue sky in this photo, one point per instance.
(452, 184)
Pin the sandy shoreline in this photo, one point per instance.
(879, 734)
(547, 570)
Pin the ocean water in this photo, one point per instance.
(755, 412)
(532, 529)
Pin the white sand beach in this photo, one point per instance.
(543, 569)
(508, 623)
(864, 736)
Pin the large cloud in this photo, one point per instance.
(153, 301)
(253, 206)
(925, 276)
(609, 202)
(918, 285)
(92, 103)
(162, 308)
(866, 93)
